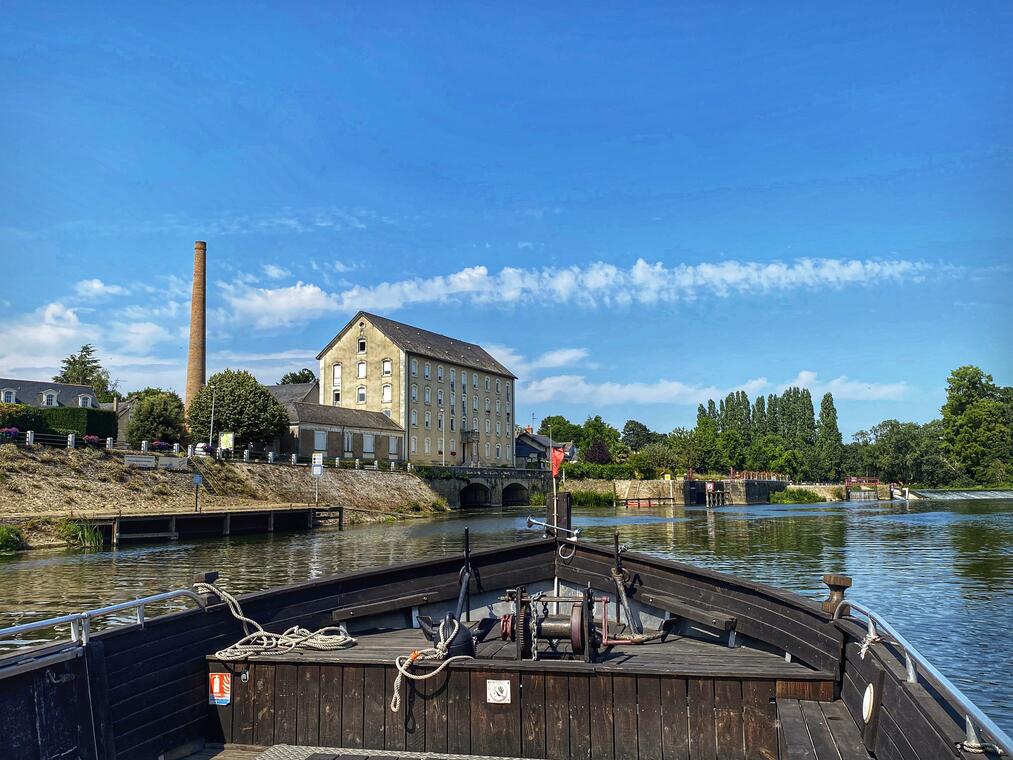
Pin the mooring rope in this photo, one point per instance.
(438, 652)
(257, 641)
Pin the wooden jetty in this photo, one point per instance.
(550, 648)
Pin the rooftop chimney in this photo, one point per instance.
(196, 361)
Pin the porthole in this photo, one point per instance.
(867, 703)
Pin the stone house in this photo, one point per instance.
(45, 393)
(532, 449)
(453, 400)
(335, 431)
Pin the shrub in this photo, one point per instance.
(158, 416)
(796, 496)
(80, 534)
(11, 538)
(591, 471)
(537, 499)
(80, 420)
(8, 434)
(591, 499)
(92, 440)
(23, 417)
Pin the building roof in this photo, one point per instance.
(289, 393)
(302, 413)
(415, 340)
(30, 391)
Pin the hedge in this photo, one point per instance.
(59, 419)
(592, 471)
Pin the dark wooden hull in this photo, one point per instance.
(142, 692)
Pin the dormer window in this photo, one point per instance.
(49, 399)
(8, 395)
(361, 347)
(84, 401)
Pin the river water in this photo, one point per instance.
(940, 571)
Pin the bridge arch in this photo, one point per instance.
(476, 495)
(515, 495)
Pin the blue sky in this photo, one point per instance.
(633, 207)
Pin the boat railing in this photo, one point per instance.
(975, 721)
(80, 622)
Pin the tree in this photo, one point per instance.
(791, 463)
(683, 446)
(156, 416)
(829, 444)
(732, 445)
(707, 454)
(654, 459)
(242, 406)
(597, 452)
(302, 376)
(636, 435)
(764, 452)
(83, 368)
(561, 428)
(978, 425)
(596, 429)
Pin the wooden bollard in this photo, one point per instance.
(837, 584)
(209, 577)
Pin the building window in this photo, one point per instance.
(451, 423)
(508, 392)
(336, 398)
(368, 445)
(498, 406)
(488, 427)
(336, 375)
(474, 403)
(453, 446)
(386, 412)
(453, 377)
(464, 402)
(348, 443)
(360, 394)
(474, 380)
(360, 370)
(429, 446)
(320, 440)
(361, 347)
(8, 397)
(50, 399)
(427, 395)
(474, 424)
(488, 404)
(386, 367)
(439, 373)
(415, 367)
(385, 394)
(439, 422)
(428, 419)
(453, 399)
(439, 396)
(83, 401)
(392, 444)
(415, 418)
(415, 446)
(499, 451)
(487, 382)
(487, 450)
(415, 392)
(426, 371)
(499, 428)
(464, 379)
(497, 385)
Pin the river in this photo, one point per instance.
(940, 571)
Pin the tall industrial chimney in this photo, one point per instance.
(195, 365)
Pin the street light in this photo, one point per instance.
(212, 427)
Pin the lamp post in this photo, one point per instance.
(212, 427)
(443, 444)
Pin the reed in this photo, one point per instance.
(11, 539)
(81, 534)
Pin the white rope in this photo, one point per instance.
(870, 639)
(257, 641)
(438, 652)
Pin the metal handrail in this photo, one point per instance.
(80, 622)
(974, 718)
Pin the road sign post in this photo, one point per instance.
(197, 480)
(317, 472)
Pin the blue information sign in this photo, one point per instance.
(197, 479)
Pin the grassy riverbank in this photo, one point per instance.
(47, 495)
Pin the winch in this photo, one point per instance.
(531, 622)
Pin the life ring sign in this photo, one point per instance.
(219, 688)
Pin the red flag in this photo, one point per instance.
(558, 455)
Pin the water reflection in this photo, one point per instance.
(941, 571)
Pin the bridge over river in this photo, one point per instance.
(486, 486)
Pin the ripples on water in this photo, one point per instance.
(941, 572)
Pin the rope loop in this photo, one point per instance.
(257, 641)
(438, 652)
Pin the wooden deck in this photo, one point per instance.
(675, 656)
(818, 731)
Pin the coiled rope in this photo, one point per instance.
(257, 641)
(438, 652)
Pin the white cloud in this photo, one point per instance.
(597, 284)
(275, 272)
(278, 307)
(576, 389)
(137, 337)
(845, 388)
(95, 288)
(520, 364)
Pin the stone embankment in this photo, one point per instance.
(57, 483)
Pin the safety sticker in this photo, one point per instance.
(220, 686)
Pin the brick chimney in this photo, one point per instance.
(196, 360)
(528, 429)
